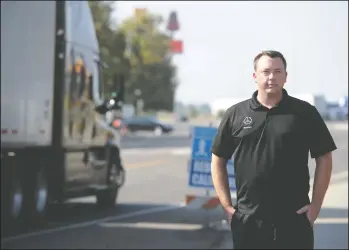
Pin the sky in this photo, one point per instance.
(221, 40)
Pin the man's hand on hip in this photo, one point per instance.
(311, 211)
(229, 211)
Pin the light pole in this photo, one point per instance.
(129, 51)
(139, 101)
(172, 27)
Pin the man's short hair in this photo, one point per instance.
(271, 54)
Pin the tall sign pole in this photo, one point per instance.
(176, 46)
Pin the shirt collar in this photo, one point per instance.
(255, 104)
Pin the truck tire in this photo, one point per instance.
(115, 178)
(37, 198)
(107, 198)
(12, 198)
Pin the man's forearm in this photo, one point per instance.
(220, 180)
(322, 179)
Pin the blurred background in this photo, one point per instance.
(183, 65)
(212, 46)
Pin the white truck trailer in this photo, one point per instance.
(55, 143)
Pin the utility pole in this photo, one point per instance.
(130, 50)
(176, 46)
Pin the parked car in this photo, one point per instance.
(146, 123)
(183, 118)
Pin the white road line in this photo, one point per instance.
(90, 223)
(149, 225)
(181, 151)
(331, 220)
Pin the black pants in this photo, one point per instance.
(291, 232)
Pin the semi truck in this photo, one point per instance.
(55, 141)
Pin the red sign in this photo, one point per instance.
(176, 46)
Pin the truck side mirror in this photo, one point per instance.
(114, 102)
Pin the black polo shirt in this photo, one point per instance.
(271, 149)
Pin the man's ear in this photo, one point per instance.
(254, 76)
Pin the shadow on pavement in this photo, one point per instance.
(179, 228)
(78, 212)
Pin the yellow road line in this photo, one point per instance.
(142, 164)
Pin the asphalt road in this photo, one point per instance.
(149, 213)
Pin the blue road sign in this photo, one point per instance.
(200, 162)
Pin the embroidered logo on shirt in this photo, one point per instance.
(247, 122)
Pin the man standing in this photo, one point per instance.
(271, 136)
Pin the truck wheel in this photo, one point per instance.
(37, 198)
(16, 198)
(107, 198)
(12, 197)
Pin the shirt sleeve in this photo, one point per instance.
(320, 138)
(223, 144)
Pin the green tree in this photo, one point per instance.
(220, 114)
(139, 50)
(151, 68)
(112, 43)
(193, 111)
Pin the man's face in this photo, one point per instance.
(270, 75)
